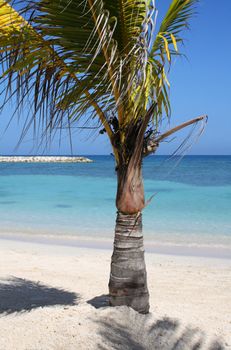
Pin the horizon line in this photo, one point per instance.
(109, 155)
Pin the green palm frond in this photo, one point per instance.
(169, 34)
(130, 16)
(78, 58)
(166, 45)
(34, 69)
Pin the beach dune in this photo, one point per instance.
(55, 297)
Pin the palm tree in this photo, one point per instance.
(98, 61)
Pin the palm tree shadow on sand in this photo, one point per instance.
(19, 295)
(99, 301)
(126, 329)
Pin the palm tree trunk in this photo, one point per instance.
(128, 278)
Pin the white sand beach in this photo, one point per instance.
(54, 297)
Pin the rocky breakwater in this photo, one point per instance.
(43, 159)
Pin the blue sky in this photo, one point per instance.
(199, 85)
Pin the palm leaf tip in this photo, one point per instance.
(166, 45)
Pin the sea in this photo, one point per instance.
(190, 205)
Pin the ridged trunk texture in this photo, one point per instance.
(128, 278)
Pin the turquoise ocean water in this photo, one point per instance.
(192, 202)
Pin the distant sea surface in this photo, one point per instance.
(191, 203)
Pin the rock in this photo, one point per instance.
(43, 159)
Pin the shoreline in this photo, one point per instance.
(152, 247)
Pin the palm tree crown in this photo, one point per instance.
(77, 60)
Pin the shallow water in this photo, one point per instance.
(192, 202)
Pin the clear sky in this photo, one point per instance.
(199, 85)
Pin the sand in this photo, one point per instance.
(54, 297)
